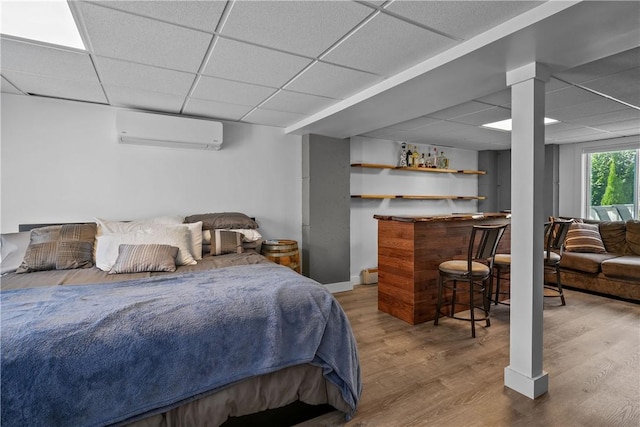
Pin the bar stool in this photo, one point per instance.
(471, 275)
(502, 267)
(555, 233)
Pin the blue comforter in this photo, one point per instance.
(101, 354)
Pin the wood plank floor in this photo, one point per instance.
(428, 375)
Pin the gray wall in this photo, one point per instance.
(326, 204)
(496, 184)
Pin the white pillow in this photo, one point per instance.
(248, 235)
(119, 227)
(13, 247)
(107, 245)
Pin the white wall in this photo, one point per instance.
(572, 175)
(364, 228)
(61, 162)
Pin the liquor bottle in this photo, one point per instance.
(409, 157)
(403, 156)
(416, 157)
(435, 157)
(444, 161)
(423, 162)
(429, 160)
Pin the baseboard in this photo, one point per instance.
(339, 287)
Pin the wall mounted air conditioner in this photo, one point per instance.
(159, 130)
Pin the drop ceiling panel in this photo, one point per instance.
(578, 132)
(616, 116)
(46, 60)
(624, 86)
(201, 15)
(214, 89)
(219, 110)
(332, 81)
(489, 115)
(414, 123)
(252, 64)
(502, 98)
(144, 77)
(58, 88)
(145, 100)
(387, 45)
(303, 27)
(461, 19)
(624, 126)
(567, 97)
(7, 87)
(130, 37)
(294, 102)
(585, 110)
(460, 110)
(603, 67)
(272, 118)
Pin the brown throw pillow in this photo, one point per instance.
(59, 247)
(584, 238)
(226, 242)
(141, 258)
(212, 221)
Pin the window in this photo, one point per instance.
(612, 184)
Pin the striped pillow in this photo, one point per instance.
(226, 242)
(141, 258)
(59, 247)
(584, 238)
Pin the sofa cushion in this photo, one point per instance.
(626, 267)
(585, 262)
(613, 235)
(584, 238)
(633, 237)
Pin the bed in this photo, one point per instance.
(231, 335)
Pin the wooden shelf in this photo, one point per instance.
(414, 197)
(382, 166)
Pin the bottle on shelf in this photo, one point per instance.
(423, 161)
(435, 157)
(416, 157)
(403, 156)
(429, 160)
(443, 161)
(409, 157)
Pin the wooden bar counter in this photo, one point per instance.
(410, 248)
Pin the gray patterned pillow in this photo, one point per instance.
(212, 221)
(59, 247)
(141, 258)
(226, 242)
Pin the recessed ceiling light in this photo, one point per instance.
(505, 125)
(47, 21)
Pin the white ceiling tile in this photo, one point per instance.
(414, 123)
(7, 87)
(606, 118)
(621, 126)
(501, 98)
(586, 109)
(610, 65)
(218, 110)
(144, 77)
(460, 110)
(386, 133)
(201, 15)
(58, 88)
(624, 86)
(252, 64)
(332, 81)
(142, 99)
(129, 37)
(580, 131)
(568, 96)
(490, 115)
(387, 45)
(294, 102)
(214, 89)
(49, 61)
(303, 27)
(461, 19)
(262, 116)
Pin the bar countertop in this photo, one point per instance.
(451, 217)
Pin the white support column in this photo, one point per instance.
(524, 373)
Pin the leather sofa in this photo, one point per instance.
(614, 273)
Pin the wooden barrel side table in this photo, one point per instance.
(283, 252)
